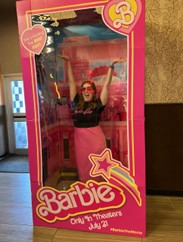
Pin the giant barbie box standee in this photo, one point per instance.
(83, 71)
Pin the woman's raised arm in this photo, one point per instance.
(72, 83)
(105, 90)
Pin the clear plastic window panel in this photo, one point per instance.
(20, 130)
(18, 97)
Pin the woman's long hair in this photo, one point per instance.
(87, 105)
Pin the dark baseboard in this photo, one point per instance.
(164, 193)
(164, 148)
(3, 156)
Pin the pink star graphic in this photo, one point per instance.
(103, 163)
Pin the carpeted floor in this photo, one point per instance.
(14, 163)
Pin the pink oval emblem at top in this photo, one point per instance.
(122, 15)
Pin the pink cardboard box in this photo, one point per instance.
(73, 181)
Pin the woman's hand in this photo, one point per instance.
(118, 60)
(64, 57)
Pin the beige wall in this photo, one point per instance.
(164, 49)
(9, 43)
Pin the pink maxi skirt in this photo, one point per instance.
(87, 141)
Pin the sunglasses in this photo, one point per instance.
(88, 89)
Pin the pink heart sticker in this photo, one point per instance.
(122, 15)
(34, 39)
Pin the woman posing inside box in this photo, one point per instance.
(87, 108)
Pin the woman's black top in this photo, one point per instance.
(86, 117)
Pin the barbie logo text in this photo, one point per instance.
(80, 199)
(126, 16)
(122, 15)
